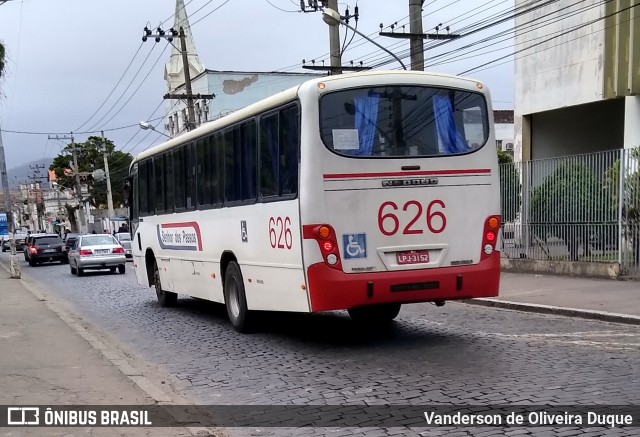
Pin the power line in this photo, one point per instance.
(138, 87)
(95, 125)
(173, 15)
(280, 9)
(532, 25)
(474, 29)
(556, 36)
(113, 89)
(65, 133)
(206, 15)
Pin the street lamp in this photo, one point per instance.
(146, 126)
(333, 18)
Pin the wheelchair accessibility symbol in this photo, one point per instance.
(355, 245)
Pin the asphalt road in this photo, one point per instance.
(456, 354)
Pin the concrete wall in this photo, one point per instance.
(632, 122)
(580, 129)
(560, 70)
(567, 70)
(504, 131)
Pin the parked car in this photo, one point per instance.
(5, 243)
(28, 242)
(19, 241)
(96, 252)
(124, 238)
(45, 248)
(69, 240)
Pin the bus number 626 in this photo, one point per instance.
(280, 233)
(389, 223)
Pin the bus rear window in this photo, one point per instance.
(401, 121)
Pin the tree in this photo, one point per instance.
(631, 197)
(90, 158)
(566, 203)
(510, 187)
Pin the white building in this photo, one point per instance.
(504, 129)
(577, 78)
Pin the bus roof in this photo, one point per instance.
(282, 98)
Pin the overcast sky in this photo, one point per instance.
(65, 56)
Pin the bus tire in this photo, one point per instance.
(235, 299)
(165, 298)
(375, 313)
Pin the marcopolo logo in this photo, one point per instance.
(180, 236)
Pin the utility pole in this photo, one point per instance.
(331, 7)
(415, 27)
(15, 264)
(191, 113)
(416, 35)
(36, 179)
(76, 170)
(106, 170)
(188, 95)
(334, 41)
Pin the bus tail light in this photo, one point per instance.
(490, 236)
(325, 235)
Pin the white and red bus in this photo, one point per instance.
(356, 192)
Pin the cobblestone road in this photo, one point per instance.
(456, 354)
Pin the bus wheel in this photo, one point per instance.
(165, 298)
(375, 313)
(235, 299)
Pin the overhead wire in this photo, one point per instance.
(139, 85)
(113, 89)
(209, 13)
(522, 29)
(588, 23)
(503, 18)
(280, 9)
(123, 92)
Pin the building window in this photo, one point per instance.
(198, 114)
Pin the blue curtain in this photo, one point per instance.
(448, 134)
(366, 123)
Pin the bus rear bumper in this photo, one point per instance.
(330, 289)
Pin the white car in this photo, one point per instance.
(96, 252)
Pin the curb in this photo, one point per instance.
(114, 356)
(555, 310)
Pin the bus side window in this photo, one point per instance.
(216, 169)
(168, 182)
(248, 156)
(289, 151)
(269, 155)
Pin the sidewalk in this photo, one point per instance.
(44, 360)
(602, 299)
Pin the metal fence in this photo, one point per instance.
(573, 208)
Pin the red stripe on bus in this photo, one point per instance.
(406, 173)
(193, 225)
